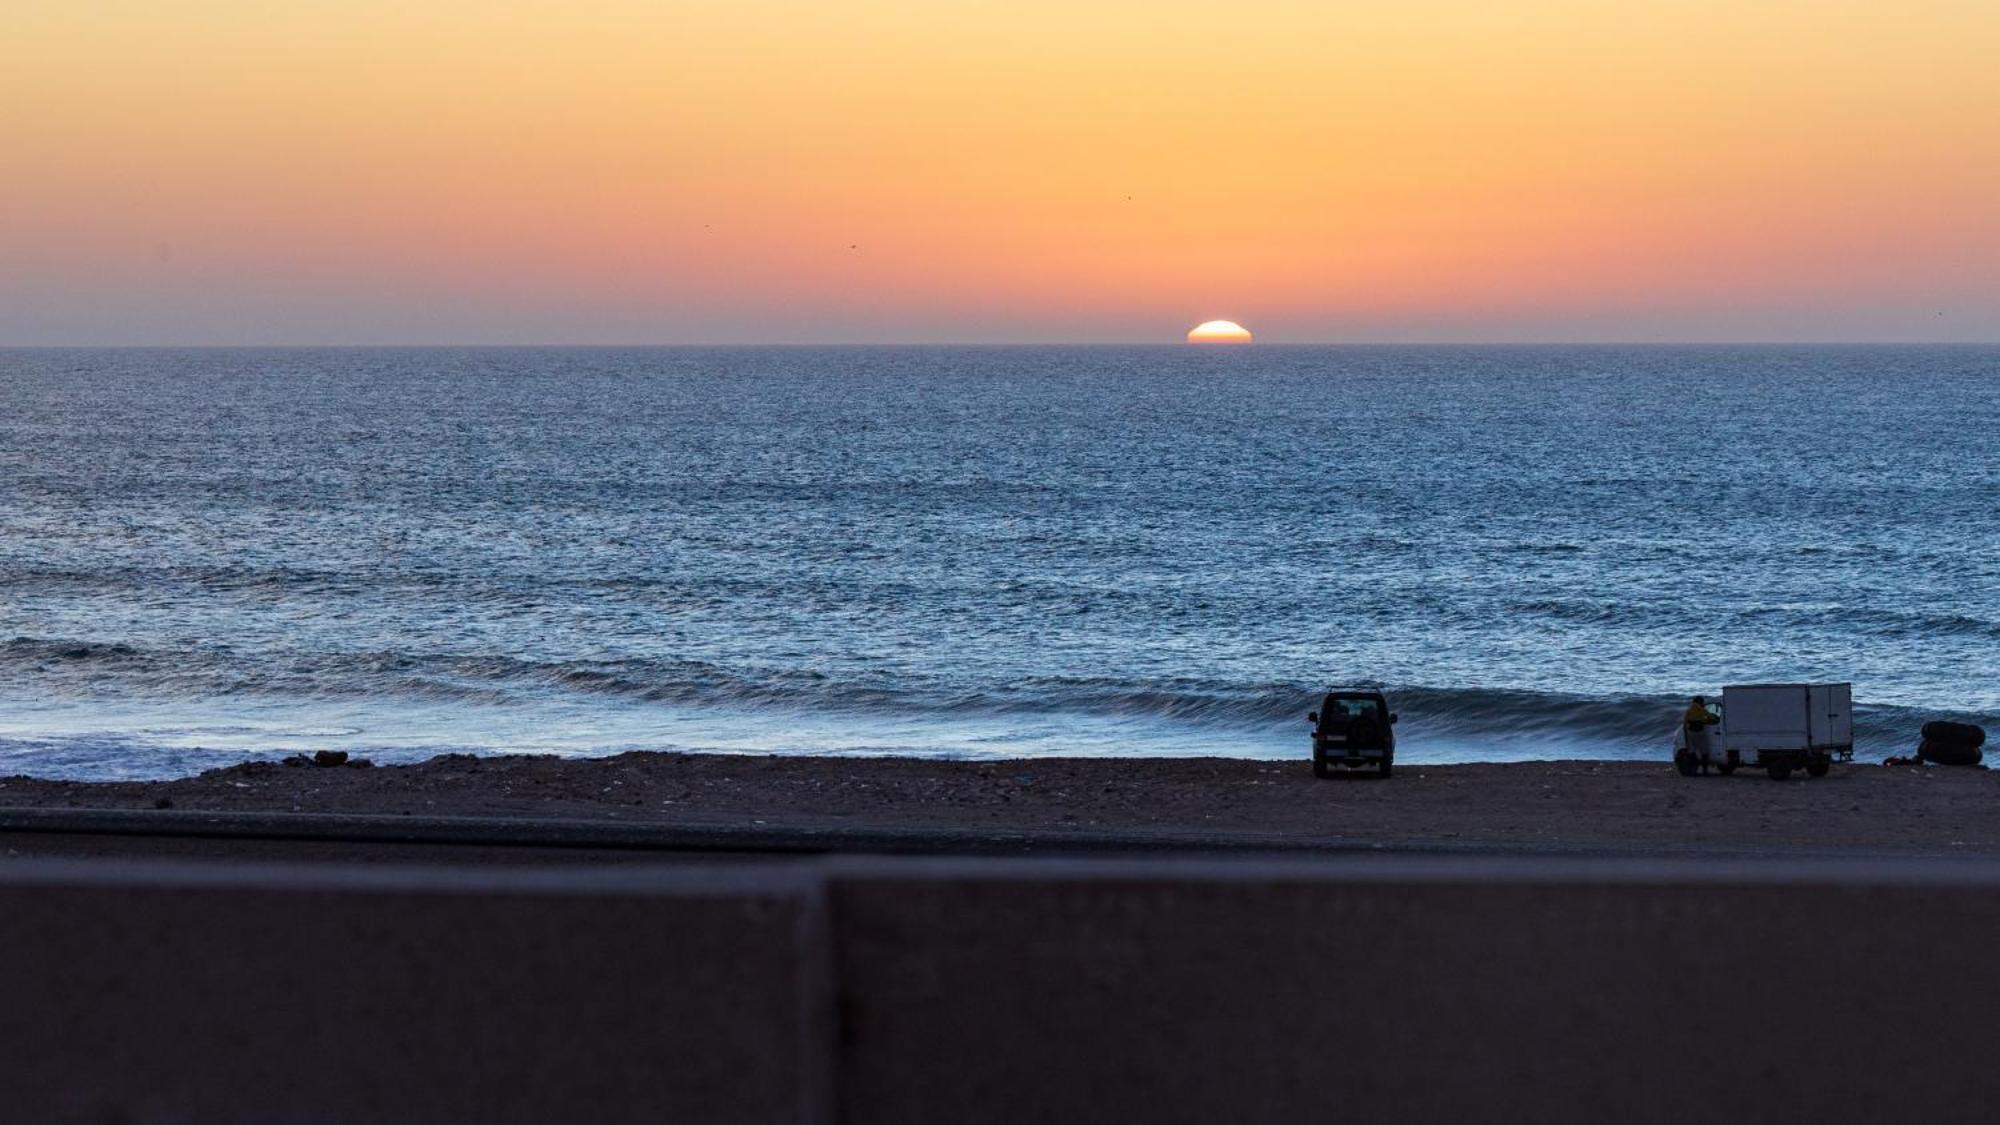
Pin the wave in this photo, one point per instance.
(1869, 621)
(383, 598)
(1843, 620)
(34, 650)
(49, 666)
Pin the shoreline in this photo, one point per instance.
(1196, 802)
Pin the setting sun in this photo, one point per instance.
(1218, 332)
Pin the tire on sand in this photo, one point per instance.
(1964, 734)
(1948, 753)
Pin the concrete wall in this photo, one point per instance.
(968, 990)
(1415, 991)
(137, 994)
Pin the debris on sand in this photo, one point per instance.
(1951, 744)
(328, 759)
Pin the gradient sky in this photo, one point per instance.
(466, 171)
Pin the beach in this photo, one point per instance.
(1200, 803)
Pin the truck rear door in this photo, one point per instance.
(1830, 715)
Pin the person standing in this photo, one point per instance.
(1699, 719)
(1698, 714)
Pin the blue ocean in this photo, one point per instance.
(978, 552)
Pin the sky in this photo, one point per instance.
(864, 171)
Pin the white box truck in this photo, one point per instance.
(1780, 727)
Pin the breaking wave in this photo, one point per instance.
(82, 668)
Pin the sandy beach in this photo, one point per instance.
(1570, 805)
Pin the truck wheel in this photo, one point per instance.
(1779, 771)
(1817, 765)
(1319, 764)
(1686, 763)
(1383, 769)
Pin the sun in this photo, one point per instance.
(1218, 332)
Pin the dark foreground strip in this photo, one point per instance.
(611, 835)
(971, 990)
(540, 832)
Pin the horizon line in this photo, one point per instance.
(1162, 344)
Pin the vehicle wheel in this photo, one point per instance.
(1686, 763)
(1779, 771)
(1319, 764)
(1383, 769)
(1362, 735)
(1817, 765)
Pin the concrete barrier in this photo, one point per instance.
(1416, 990)
(139, 993)
(999, 990)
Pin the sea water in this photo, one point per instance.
(1537, 552)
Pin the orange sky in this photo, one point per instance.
(234, 171)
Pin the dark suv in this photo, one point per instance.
(1352, 728)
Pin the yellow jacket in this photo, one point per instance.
(1698, 715)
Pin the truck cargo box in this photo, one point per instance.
(1788, 717)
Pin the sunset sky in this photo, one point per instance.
(260, 171)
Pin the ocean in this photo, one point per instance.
(213, 555)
